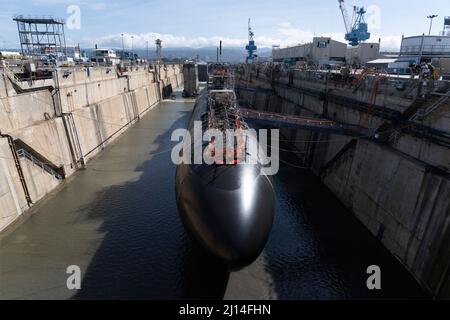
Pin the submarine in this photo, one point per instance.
(226, 205)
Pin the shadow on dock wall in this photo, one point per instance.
(167, 91)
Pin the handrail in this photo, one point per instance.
(21, 18)
(25, 154)
(439, 103)
(423, 113)
(11, 75)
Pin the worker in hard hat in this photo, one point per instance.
(425, 70)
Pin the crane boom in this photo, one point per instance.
(251, 34)
(345, 15)
(357, 28)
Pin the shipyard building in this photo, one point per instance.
(434, 49)
(362, 53)
(324, 50)
(321, 50)
(427, 47)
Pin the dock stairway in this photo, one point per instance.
(25, 151)
(410, 121)
(422, 113)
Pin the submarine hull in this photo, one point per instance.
(229, 209)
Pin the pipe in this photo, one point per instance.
(59, 113)
(18, 167)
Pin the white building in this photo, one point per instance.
(363, 53)
(105, 56)
(10, 55)
(323, 50)
(425, 47)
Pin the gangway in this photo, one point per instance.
(290, 121)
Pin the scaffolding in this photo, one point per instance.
(40, 35)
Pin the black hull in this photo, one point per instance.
(233, 224)
(228, 208)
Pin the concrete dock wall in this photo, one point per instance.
(12, 198)
(15, 112)
(401, 203)
(66, 126)
(399, 191)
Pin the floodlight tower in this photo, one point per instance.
(431, 17)
(158, 43)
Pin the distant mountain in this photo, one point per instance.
(232, 54)
(205, 54)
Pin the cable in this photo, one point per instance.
(339, 140)
(293, 165)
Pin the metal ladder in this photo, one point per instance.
(12, 146)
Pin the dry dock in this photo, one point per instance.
(110, 207)
(117, 220)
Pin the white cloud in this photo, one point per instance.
(284, 36)
(390, 43)
(54, 2)
(285, 24)
(169, 40)
(98, 6)
(94, 5)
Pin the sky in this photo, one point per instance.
(202, 23)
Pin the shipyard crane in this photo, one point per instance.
(357, 28)
(251, 47)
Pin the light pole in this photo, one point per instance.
(431, 17)
(123, 48)
(132, 48)
(147, 51)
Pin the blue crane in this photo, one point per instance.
(251, 47)
(357, 28)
